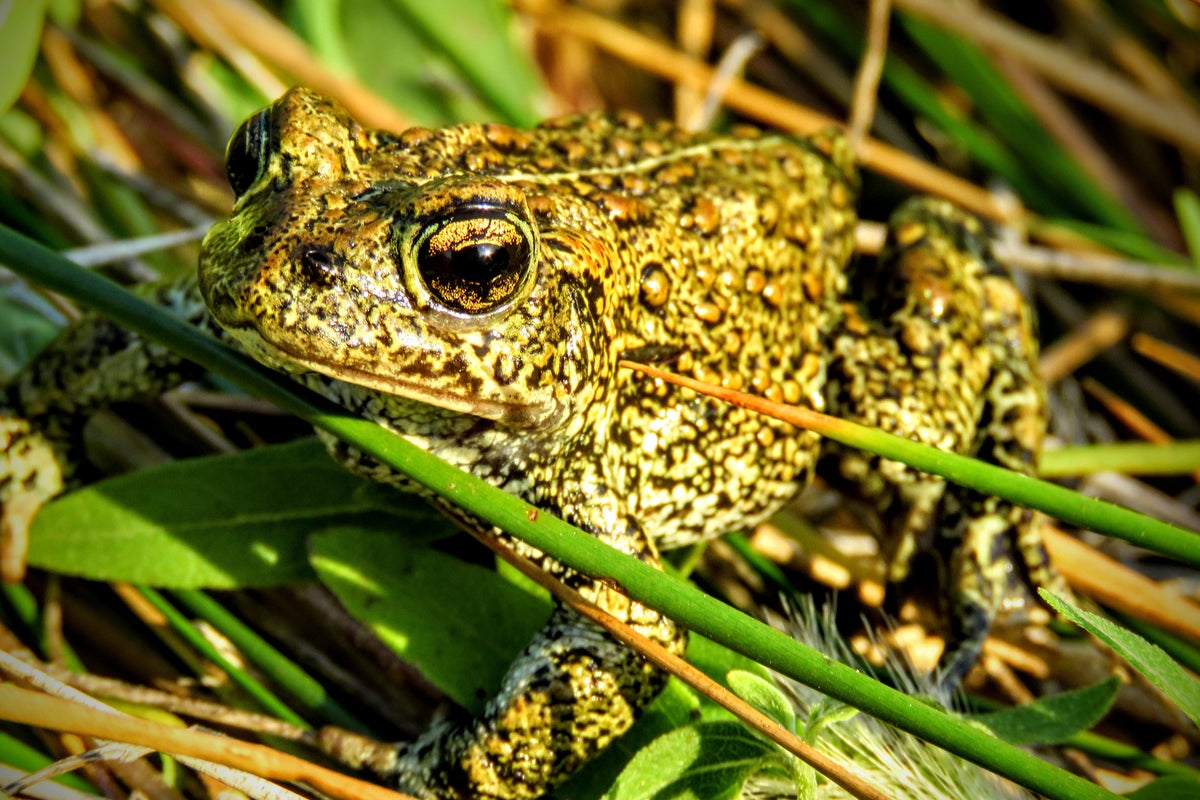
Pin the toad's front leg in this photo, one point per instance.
(91, 364)
(942, 351)
(564, 700)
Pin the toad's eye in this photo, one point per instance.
(246, 155)
(473, 259)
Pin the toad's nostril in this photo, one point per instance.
(319, 264)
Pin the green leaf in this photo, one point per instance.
(709, 761)
(1053, 719)
(218, 522)
(763, 695)
(1171, 787)
(461, 624)
(20, 33)
(1187, 210)
(1148, 659)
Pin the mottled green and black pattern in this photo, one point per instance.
(473, 289)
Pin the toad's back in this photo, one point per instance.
(724, 256)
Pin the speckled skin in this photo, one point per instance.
(473, 289)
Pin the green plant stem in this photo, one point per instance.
(677, 599)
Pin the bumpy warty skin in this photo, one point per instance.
(648, 242)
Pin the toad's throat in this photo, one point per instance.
(530, 414)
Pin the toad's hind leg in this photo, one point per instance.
(945, 355)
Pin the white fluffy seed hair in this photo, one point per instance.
(900, 765)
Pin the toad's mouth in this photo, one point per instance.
(279, 356)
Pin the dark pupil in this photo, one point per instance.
(474, 276)
(485, 262)
(246, 155)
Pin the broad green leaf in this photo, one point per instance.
(763, 695)
(1148, 659)
(20, 33)
(709, 761)
(350, 36)
(1170, 787)
(1053, 719)
(218, 522)
(461, 624)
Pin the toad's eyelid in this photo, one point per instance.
(381, 189)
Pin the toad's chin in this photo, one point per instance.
(277, 356)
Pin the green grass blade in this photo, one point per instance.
(1007, 113)
(16, 753)
(299, 684)
(1187, 209)
(181, 625)
(20, 32)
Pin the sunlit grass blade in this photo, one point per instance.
(298, 683)
(180, 624)
(1187, 209)
(1134, 458)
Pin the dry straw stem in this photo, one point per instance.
(673, 664)
(870, 69)
(1177, 123)
(183, 705)
(665, 61)
(1100, 332)
(1097, 268)
(30, 708)
(1130, 416)
(1117, 586)
(1170, 357)
(1126, 50)
(1126, 412)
